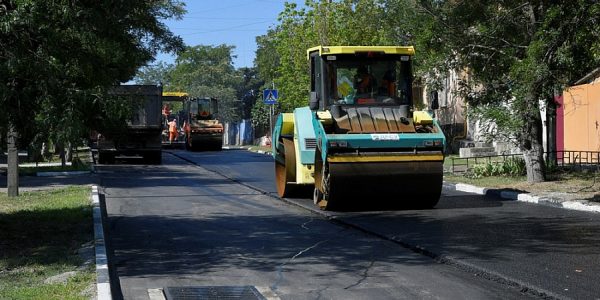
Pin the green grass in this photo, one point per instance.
(492, 181)
(40, 233)
(32, 171)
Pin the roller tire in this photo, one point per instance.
(319, 192)
(286, 173)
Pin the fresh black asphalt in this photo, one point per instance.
(183, 224)
(553, 252)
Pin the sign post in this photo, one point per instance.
(270, 97)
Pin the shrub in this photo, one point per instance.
(513, 167)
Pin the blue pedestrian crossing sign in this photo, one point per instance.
(270, 96)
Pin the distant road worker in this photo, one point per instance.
(166, 111)
(173, 134)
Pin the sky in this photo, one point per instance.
(231, 22)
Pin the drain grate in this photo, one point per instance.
(247, 292)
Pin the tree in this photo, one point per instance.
(155, 74)
(518, 54)
(248, 89)
(203, 71)
(281, 53)
(57, 54)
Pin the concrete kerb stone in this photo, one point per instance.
(65, 173)
(580, 205)
(102, 274)
(235, 147)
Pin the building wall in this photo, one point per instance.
(452, 109)
(581, 117)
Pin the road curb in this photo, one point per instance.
(102, 275)
(235, 147)
(63, 173)
(579, 205)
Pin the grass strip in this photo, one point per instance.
(40, 234)
(32, 171)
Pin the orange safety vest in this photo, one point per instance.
(172, 126)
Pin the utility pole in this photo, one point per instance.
(271, 112)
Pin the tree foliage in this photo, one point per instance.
(203, 71)
(155, 74)
(59, 57)
(515, 52)
(281, 54)
(518, 54)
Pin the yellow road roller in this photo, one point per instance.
(360, 142)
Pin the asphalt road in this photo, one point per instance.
(547, 251)
(209, 220)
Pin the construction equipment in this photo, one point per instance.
(202, 129)
(360, 140)
(204, 132)
(141, 137)
(173, 115)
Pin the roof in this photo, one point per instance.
(174, 94)
(590, 77)
(405, 50)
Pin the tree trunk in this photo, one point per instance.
(12, 175)
(69, 154)
(551, 130)
(59, 148)
(532, 146)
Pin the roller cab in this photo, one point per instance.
(204, 130)
(360, 142)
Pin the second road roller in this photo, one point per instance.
(360, 140)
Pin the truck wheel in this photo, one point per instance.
(101, 158)
(192, 146)
(186, 142)
(154, 158)
(286, 173)
(218, 145)
(106, 158)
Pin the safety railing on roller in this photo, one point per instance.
(564, 159)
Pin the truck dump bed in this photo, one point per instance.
(142, 136)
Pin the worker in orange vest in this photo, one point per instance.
(173, 134)
(363, 81)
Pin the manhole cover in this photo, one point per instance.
(247, 292)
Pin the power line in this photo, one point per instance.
(226, 29)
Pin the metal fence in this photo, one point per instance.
(563, 159)
(462, 164)
(577, 158)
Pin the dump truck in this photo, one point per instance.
(360, 142)
(142, 136)
(204, 130)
